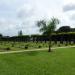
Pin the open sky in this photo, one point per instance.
(22, 15)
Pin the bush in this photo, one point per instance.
(7, 48)
(39, 46)
(66, 44)
(26, 46)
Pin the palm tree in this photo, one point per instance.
(47, 28)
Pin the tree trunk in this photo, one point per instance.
(49, 48)
(49, 44)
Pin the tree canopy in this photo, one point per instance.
(47, 27)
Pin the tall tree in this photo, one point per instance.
(47, 28)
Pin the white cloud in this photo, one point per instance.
(18, 15)
(69, 7)
(69, 2)
(39, 9)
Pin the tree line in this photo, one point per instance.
(47, 28)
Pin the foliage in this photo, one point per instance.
(64, 29)
(47, 28)
(39, 46)
(26, 46)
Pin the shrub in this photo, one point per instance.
(26, 46)
(66, 44)
(7, 48)
(39, 46)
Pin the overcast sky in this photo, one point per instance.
(22, 15)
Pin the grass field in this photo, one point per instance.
(58, 62)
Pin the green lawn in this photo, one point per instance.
(58, 62)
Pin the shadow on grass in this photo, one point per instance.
(32, 53)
